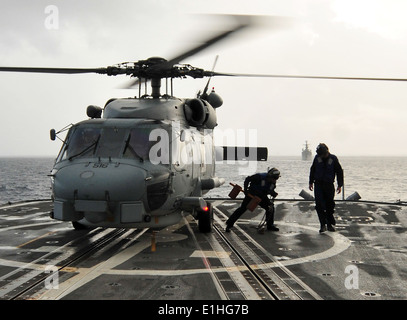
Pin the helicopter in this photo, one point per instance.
(142, 162)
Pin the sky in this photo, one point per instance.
(360, 38)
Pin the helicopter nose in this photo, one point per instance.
(107, 182)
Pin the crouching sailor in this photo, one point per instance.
(260, 185)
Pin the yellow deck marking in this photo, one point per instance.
(28, 242)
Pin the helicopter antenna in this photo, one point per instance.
(204, 93)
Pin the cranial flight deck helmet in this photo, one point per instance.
(274, 173)
(322, 149)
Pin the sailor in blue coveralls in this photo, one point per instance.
(321, 179)
(260, 185)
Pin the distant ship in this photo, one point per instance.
(306, 152)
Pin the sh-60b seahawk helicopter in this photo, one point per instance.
(140, 162)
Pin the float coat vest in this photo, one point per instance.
(259, 186)
(324, 170)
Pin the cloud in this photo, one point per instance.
(385, 18)
(339, 38)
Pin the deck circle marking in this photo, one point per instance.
(341, 243)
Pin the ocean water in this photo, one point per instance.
(374, 178)
(23, 179)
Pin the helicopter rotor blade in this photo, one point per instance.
(243, 22)
(209, 73)
(53, 70)
(242, 25)
(182, 56)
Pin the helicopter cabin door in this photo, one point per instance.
(182, 163)
(195, 158)
(203, 157)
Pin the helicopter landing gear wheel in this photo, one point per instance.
(79, 226)
(205, 219)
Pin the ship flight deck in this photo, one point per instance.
(365, 259)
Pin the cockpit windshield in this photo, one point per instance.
(83, 142)
(138, 143)
(114, 142)
(111, 142)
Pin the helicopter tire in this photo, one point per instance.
(205, 220)
(79, 226)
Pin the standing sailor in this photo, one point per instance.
(260, 185)
(322, 174)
